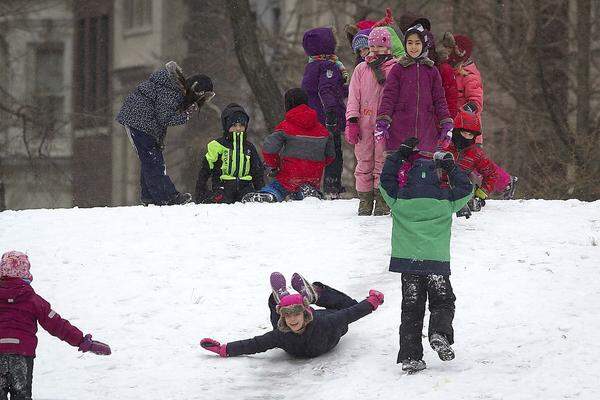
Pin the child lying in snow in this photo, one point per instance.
(20, 311)
(298, 329)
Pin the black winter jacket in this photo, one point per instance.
(320, 336)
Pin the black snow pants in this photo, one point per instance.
(329, 298)
(16, 374)
(415, 290)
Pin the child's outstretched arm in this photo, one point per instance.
(62, 329)
(359, 310)
(257, 344)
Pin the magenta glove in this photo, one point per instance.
(445, 136)
(96, 347)
(382, 130)
(214, 346)
(375, 298)
(352, 132)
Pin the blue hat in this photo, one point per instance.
(360, 40)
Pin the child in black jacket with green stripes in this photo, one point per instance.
(232, 162)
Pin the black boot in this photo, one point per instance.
(179, 198)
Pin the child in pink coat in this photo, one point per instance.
(21, 309)
(366, 89)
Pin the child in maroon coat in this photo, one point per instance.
(20, 311)
(472, 159)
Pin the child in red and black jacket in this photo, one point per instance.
(20, 311)
(472, 159)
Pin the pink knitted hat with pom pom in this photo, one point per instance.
(380, 37)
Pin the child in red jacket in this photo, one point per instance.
(472, 159)
(20, 311)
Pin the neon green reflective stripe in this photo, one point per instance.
(232, 178)
(214, 150)
(241, 157)
(234, 160)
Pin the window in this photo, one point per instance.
(137, 15)
(92, 35)
(48, 86)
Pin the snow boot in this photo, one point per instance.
(279, 287)
(509, 192)
(179, 199)
(412, 366)
(146, 201)
(441, 346)
(381, 207)
(365, 206)
(305, 191)
(304, 287)
(259, 197)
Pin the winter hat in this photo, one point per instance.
(353, 29)
(467, 121)
(319, 41)
(295, 97)
(425, 39)
(293, 304)
(203, 83)
(15, 264)
(360, 40)
(462, 50)
(409, 20)
(381, 37)
(233, 114)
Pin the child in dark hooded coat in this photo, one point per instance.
(232, 162)
(326, 83)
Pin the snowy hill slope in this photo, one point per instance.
(153, 281)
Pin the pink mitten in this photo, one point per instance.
(375, 298)
(214, 346)
(352, 132)
(96, 347)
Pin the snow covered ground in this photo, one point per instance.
(153, 281)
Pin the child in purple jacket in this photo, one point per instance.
(325, 82)
(413, 102)
(20, 311)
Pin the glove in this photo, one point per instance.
(375, 298)
(331, 120)
(272, 171)
(408, 147)
(476, 204)
(464, 212)
(481, 194)
(444, 160)
(445, 136)
(382, 130)
(96, 347)
(470, 107)
(214, 346)
(352, 132)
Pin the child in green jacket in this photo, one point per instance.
(422, 220)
